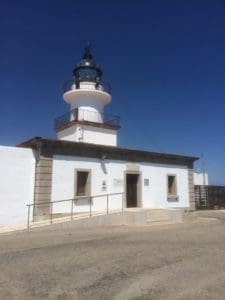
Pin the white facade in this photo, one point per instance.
(17, 182)
(112, 173)
(201, 178)
(17, 172)
(89, 134)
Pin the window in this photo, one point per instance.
(146, 182)
(83, 185)
(172, 185)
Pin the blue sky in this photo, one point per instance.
(164, 59)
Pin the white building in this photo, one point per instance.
(85, 160)
(201, 178)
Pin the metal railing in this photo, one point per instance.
(71, 85)
(86, 115)
(72, 201)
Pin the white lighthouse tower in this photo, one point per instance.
(87, 96)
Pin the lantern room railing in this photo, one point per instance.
(76, 85)
(86, 115)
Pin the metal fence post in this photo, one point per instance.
(107, 207)
(71, 214)
(122, 201)
(90, 206)
(51, 212)
(28, 219)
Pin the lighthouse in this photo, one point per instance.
(87, 96)
(84, 170)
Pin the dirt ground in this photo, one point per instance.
(182, 261)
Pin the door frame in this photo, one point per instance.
(139, 187)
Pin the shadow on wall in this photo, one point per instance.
(103, 167)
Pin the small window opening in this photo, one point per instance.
(82, 183)
(172, 185)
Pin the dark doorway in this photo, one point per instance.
(132, 189)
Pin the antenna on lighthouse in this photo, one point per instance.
(87, 50)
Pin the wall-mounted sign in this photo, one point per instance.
(132, 167)
(117, 182)
(146, 182)
(104, 186)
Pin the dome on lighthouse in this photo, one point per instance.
(87, 69)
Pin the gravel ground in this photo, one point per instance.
(179, 261)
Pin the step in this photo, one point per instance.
(155, 215)
(158, 219)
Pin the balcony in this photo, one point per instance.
(86, 117)
(72, 85)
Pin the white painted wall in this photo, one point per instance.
(88, 104)
(153, 196)
(17, 173)
(88, 134)
(63, 184)
(200, 178)
(89, 114)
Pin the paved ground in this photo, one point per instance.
(183, 261)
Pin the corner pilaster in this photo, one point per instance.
(43, 187)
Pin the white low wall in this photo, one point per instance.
(17, 172)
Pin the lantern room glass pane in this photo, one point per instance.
(87, 73)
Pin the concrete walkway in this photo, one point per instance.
(178, 261)
(129, 216)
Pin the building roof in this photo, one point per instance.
(50, 147)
